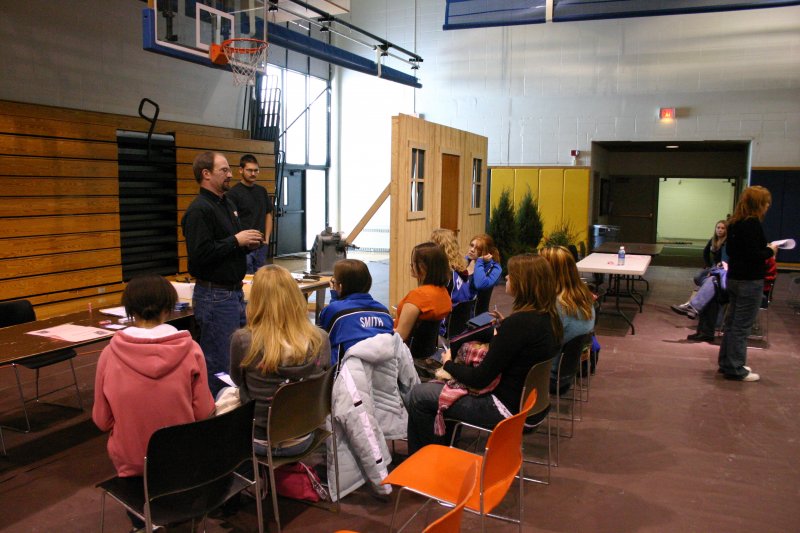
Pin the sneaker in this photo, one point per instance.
(685, 309)
(751, 376)
(700, 337)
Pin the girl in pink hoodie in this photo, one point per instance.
(149, 376)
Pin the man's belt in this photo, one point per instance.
(211, 285)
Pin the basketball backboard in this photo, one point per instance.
(187, 28)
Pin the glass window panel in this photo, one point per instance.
(417, 181)
(477, 171)
(295, 100)
(318, 122)
(315, 205)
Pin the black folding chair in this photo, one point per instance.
(21, 312)
(189, 470)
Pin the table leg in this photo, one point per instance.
(320, 297)
(616, 295)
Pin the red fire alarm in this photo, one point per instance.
(666, 113)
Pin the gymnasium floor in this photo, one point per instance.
(665, 444)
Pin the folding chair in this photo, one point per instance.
(298, 409)
(430, 471)
(537, 381)
(571, 355)
(189, 471)
(21, 312)
(456, 321)
(450, 522)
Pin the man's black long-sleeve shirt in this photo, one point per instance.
(209, 226)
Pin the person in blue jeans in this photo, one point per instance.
(216, 247)
(748, 250)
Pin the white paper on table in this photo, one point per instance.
(72, 333)
(115, 311)
(785, 244)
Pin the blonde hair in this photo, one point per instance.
(447, 240)
(753, 203)
(278, 322)
(533, 286)
(717, 242)
(574, 296)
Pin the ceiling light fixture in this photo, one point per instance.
(672, 146)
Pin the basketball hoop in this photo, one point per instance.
(244, 55)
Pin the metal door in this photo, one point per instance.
(291, 213)
(634, 202)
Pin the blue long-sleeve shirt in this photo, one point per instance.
(352, 319)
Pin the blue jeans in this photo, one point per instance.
(744, 301)
(706, 293)
(424, 403)
(256, 259)
(218, 313)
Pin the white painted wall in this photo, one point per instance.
(539, 91)
(88, 55)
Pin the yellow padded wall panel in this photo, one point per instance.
(551, 195)
(502, 178)
(526, 178)
(576, 201)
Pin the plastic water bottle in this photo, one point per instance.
(621, 256)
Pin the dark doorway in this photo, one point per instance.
(633, 206)
(450, 199)
(291, 213)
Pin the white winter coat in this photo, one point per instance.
(374, 380)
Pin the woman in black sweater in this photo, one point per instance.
(747, 252)
(531, 334)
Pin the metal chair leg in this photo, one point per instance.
(22, 400)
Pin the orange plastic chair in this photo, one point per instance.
(430, 471)
(451, 521)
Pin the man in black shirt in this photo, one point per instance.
(217, 247)
(254, 207)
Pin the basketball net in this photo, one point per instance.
(245, 56)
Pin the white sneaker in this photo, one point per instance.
(751, 376)
(746, 368)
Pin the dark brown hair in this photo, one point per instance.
(430, 263)
(353, 275)
(247, 158)
(203, 161)
(147, 296)
(533, 286)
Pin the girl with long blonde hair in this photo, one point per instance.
(278, 344)
(575, 303)
(529, 335)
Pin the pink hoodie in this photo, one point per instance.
(146, 384)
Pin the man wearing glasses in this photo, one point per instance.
(217, 247)
(255, 208)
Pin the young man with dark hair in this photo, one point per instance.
(254, 206)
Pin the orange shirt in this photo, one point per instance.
(433, 302)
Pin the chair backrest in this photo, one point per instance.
(482, 300)
(503, 458)
(459, 316)
(16, 312)
(424, 338)
(188, 456)
(571, 356)
(300, 407)
(451, 522)
(538, 381)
